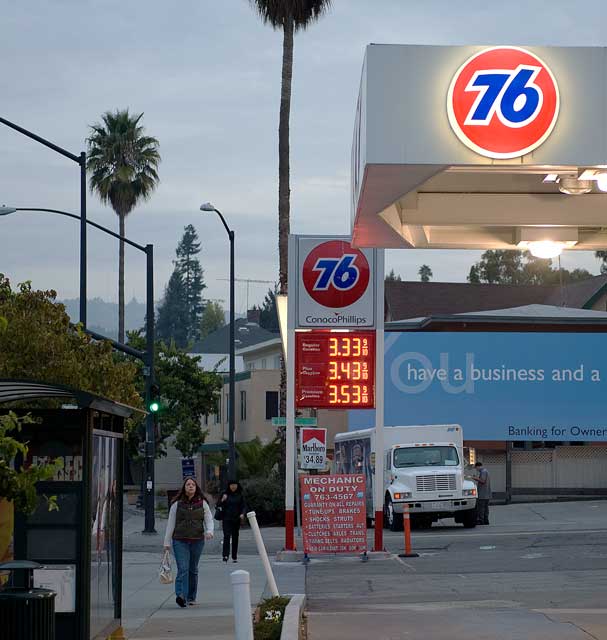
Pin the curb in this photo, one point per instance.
(292, 618)
(289, 556)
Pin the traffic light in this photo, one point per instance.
(154, 402)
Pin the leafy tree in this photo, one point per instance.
(39, 343)
(256, 459)
(213, 318)
(123, 163)
(18, 485)
(287, 16)
(172, 314)
(187, 392)
(602, 256)
(497, 266)
(393, 277)
(425, 273)
(518, 267)
(193, 284)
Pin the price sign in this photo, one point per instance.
(335, 370)
(313, 447)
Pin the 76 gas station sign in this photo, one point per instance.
(335, 284)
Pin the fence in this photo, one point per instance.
(563, 471)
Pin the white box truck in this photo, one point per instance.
(423, 467)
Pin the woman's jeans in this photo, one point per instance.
(187, 555)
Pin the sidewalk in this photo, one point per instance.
(149, 611)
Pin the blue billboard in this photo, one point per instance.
(497, 386)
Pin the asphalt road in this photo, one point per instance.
(538, 571)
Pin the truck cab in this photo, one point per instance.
(429, 478)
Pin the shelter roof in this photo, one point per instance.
(16, 390)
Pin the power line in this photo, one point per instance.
(249, 281)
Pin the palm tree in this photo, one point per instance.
(123, 163)
(289, 16)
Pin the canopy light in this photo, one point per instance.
(601, 181)
(574, 186)
(546, 249)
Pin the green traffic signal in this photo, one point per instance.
(154, 406)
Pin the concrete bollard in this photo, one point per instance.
(263, 553)
(243, 620)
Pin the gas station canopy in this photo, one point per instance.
(481, 148)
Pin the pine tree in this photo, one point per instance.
(172, 323)
(268, 317)
(188, 266)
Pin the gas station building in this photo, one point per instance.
(470, 147)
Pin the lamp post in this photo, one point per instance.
(80, 160)
(147, 356)
(207, 206)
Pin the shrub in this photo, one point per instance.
(271, 614)
(265, 495)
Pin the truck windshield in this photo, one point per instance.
(426, 457)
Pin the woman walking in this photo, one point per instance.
(234, 509)
(190, 524)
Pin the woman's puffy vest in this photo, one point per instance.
(189, 522)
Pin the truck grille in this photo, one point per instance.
(445, 482)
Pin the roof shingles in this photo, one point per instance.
(423, 299)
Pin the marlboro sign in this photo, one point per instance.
(313, 448)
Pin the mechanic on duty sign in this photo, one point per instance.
(503, 102)
(335, 283)
(334, 513)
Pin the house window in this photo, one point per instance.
(206, 419)
(243, 405)
(263, 363)
(277, 362)
(271, 404)
(251, 366)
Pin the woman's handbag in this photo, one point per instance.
(165, 573)
(219, 512)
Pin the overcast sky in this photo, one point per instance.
(207, 76)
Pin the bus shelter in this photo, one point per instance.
(80, 544)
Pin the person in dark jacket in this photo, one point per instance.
(234, 509)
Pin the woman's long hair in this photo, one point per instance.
(182, 497)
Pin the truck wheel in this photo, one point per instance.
(469, 518)
(395, 520)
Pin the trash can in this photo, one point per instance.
(26, 613)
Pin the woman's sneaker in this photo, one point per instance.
(192, 603)
(181, 602)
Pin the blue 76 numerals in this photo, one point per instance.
(340, 272)
(511, 94)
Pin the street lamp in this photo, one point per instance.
(207, 206)
(80, 159)
(147, 356)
